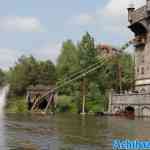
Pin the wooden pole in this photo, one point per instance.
(119, 70)
(49, 102)
(120, 77)
(83, 95)
(133, 69)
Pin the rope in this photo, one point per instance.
(79, 72)
(76, 78)
(82, 73)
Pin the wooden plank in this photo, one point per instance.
(49, 102)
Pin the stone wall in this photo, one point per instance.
(140, 103)
(139, 14)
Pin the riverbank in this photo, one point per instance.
(63, 104)
(16, 105)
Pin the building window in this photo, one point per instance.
(143, 90)
(137, 70)
(142, 70)
(142, 59)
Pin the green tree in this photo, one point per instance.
(68, 61)
(127, 71)
(2, 77)
(47, 73)
(108, 77)
(29, 71)
(87, 51)
(87, 56)
(67, 65)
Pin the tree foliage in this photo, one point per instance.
(72, 59)
(87, 51)
(2, 77)
(29, 71)
(68, 61)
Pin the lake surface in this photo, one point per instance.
(68, 132)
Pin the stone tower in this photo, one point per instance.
(139, 20)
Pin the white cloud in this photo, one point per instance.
(115, 17)
(111, 19)
(8, 57)
(21, 24)
(113, 9)
(51, 51)
(117, 8)
(82, 19)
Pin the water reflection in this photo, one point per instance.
(2, 133)
(71, 131)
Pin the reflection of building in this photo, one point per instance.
(140, 25)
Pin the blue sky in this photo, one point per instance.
(38, 27)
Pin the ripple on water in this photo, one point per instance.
(70, 131)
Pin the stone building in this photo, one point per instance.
(139, 20)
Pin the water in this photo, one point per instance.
(66, 131)
(70, 131)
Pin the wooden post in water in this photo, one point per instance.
(120, 76)
(119, 72)
(83, 95)
(49, 102)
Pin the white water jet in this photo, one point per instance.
(3, 95)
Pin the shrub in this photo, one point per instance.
(16, 105)
(65, 104)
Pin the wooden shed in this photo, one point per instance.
(40, 97)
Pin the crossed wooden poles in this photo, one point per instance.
(76, 76)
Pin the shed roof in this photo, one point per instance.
(40, 88)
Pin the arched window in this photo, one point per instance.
(142, 70)
(143, 90)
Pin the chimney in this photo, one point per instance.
(148, 5)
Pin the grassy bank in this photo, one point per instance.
(16, 105)
(70, 104)
(63, 104)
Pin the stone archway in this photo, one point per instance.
(129, 111)
(143, 90)
(146, 111)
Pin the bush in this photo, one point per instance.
(16, 105)
(96, 105)
(65, 104)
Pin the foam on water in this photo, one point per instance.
(3, 96)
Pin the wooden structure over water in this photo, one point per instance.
(40, 98)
